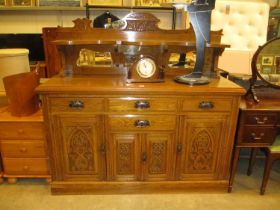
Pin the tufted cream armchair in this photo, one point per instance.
(244, 25)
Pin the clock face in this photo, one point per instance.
(146, 67)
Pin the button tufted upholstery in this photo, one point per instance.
(244, 25)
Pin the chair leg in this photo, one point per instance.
(252, 160)
(268, 165)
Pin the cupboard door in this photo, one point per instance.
(79, 147)
(158, 157)
(124, 157)
(201, 147)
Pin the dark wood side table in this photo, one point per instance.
(257, 128)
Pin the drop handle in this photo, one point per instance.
(206, 105)
(259, 121)
(257, 137)
(103, 148)
(76, 104)
(144, 157)
(179, 148)
(142, 104)
(141, 123)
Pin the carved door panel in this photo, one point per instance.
(158, 157)
(141, 156)
(200, 148)
(80, 150)
(124, 157)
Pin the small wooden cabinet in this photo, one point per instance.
(23, 146)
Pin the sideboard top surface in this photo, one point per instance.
(116, 84)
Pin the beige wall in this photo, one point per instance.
(15, 21)
(23, 21)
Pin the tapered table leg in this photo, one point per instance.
(233, 167)
(252, 160)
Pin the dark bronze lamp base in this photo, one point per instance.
(185, 79)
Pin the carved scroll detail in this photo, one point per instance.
(80, 150)
(201, 151)
(140, 21)
(82, 24)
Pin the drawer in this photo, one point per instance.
(254, 134)
(23, 148)
(260, 118)
(76, 104)
(21, 130)
(142, 104)
(26, 166)
(198, 103)
(142, 122)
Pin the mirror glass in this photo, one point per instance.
(182, 60)
(266, 62)
(92, 58)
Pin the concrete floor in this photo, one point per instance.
(34, 194)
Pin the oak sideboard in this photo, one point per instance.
(107, 136)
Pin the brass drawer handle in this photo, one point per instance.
(256, 137)
(141, 123)
(76, 104)
(259, 121)
(142, 104)
(206, 105)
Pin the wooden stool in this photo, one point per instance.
(272, 154)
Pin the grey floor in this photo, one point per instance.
(34, 194)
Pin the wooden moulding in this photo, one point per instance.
(58, 188)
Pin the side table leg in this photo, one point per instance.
(233, 167)
(252, 160)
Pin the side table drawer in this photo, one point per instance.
(26, 166)
(260, 118)
(23, 148)
(21, 130)
(263, 135)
